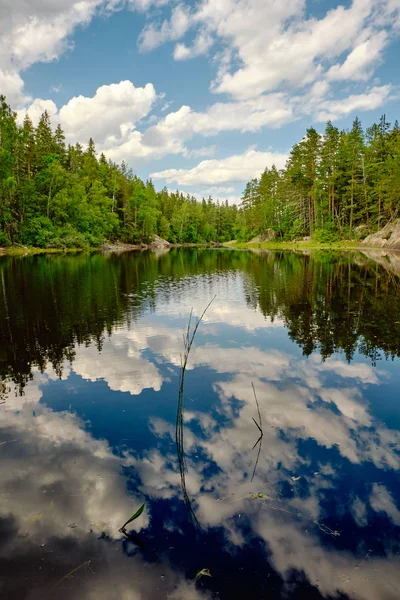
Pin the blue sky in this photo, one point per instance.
(200, 95)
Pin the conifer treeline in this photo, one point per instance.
(54, 195)
(340, 184)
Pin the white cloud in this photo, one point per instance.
(144, 5)
(109, 114)
(257, 66)
(37, 31)
(340, 108)
(171, 132)
(272, 110)
(295, 51)
(170, 30)
(218, 194)
(237, 168)
(358, 64)
(203, 151)
(201, 45)
(12, 86)
(36, 109)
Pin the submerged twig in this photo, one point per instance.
(258, 409)
(188, 339)
(260, 429)
(85, 564)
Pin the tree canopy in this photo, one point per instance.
(339, 184)
(54, 195)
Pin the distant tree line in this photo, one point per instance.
(341, 184)
(58, 195)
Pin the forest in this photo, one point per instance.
(54, 195)
(339, 185)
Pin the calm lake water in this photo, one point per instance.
(90, 364)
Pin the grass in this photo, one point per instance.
(188, 340)
(19, 250)
(25, 250)
(310, 245)
(260, 429)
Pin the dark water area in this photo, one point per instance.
(90, 354)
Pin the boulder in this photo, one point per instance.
(159, 242)
(388, 237)
(268, 236)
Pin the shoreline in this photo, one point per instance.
(106, 248)
(342, 245)
(119, 247)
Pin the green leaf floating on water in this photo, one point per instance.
(203, 573)
(134, 516)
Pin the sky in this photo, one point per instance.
(200, 95)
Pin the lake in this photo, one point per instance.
(278, 479)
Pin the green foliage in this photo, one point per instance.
(331, 185)
(4, 241)
(38, 232)
(134, 516)
(202, 573)
(54, 196)
(326, 235)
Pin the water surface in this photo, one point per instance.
(90, 354)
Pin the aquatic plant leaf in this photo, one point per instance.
(134, 516)
(203, 573)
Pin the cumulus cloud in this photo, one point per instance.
(12, 86)
(144, 5)
(295, 52)
(250, 115)
(273, 75)
(361, 59)
(201, 45)
(170, 29)
(37, 108)
(237, 168)
(340, 108)
(112, 116)
(37, 31)
(294, 48)
(110, 113)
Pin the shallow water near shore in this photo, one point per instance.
(287, 483)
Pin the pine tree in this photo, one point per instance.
(44, 141)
